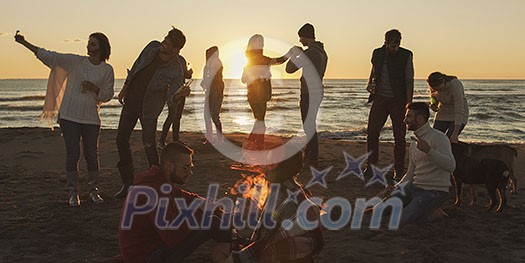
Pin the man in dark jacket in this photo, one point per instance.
(149, 236)
(313, 61)
(157, 75)
(391, 87)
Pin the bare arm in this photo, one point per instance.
(279, 60)
(294, 51)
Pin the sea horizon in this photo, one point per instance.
(497, 113)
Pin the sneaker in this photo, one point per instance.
(74, 199)
(95, 197)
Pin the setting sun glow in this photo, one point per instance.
(233, 58)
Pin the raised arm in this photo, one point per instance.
(52, 59)
(279, 60)
(22, 40)
(295, 60)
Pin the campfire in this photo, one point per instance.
(252, 187)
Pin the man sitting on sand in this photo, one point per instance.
(144, 238)
(431, 161)
(281, 244)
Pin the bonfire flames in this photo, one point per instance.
(252, 187)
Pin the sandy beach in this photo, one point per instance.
(36, 225)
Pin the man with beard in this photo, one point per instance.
(144, 238)
(156, 76)
(391, 87)
(426, 184)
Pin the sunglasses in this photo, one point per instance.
(186, 167)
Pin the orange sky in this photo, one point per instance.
(471, 39)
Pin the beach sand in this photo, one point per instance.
(36, 225)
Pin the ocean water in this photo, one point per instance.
(497, 109)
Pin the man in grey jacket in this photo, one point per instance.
(156, 76)
(313, 61)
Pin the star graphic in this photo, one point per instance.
(318, 177)
(379, 175)
(292, 196)
(353, 166)
(399, 188)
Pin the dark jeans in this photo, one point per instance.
(258, 110)
(128, 119)
(214, 104)
(447, 127)
(72, 132)
(165, 254)
(312, 147)
(174, 115)
(382, 107)
(419, 204)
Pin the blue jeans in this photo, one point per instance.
(419, 204)
(73, 132)
(447, 127)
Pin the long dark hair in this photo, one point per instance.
(437, 78)
(103, 42)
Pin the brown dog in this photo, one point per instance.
(492, 173)
(502, 152)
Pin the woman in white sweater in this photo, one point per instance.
(76, 88)
(449, 102)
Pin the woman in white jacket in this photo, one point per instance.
(449, 102)
(76, 88)
(213, 85)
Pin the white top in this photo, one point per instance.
(254, 72)
(213, 65)
(78, 106)
(452, 103)
(430, 171)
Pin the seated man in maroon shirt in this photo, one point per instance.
(151, 229)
